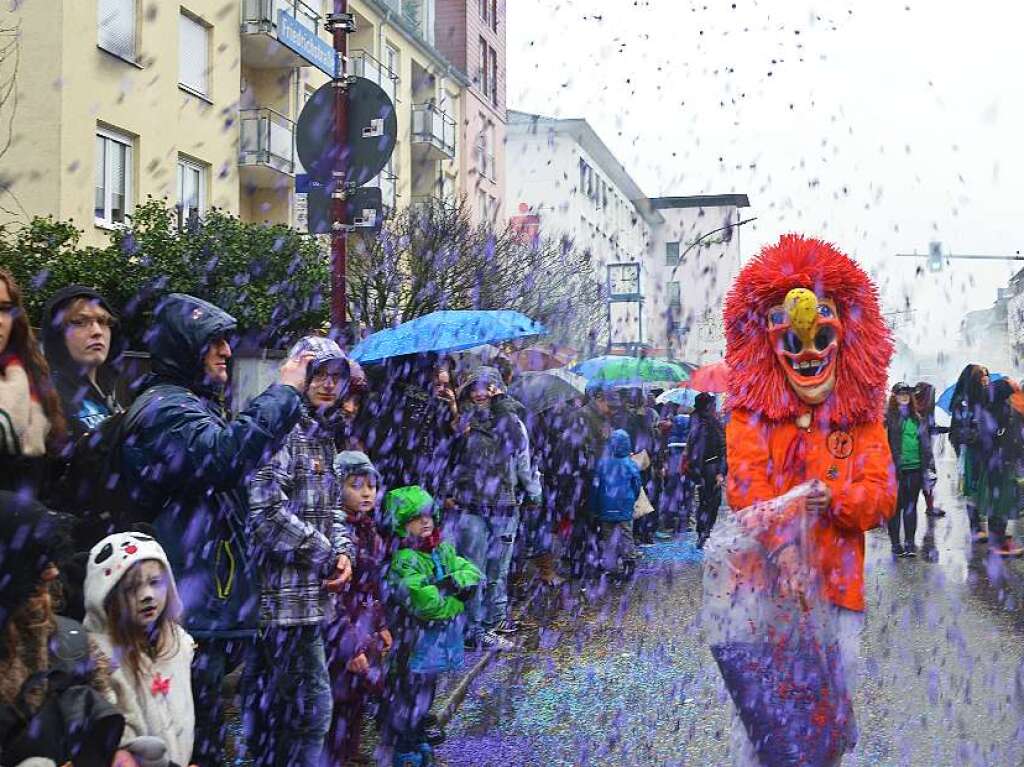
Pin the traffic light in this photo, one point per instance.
(935, 256)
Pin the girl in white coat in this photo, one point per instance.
(132, 611)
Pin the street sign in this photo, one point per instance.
(364, 207)
(372, 132)
(306, 42)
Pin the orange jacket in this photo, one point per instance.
(768, 459)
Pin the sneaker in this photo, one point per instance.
(909, 551)
(897, 551)
(1008, 548)
(507, 626)
(935, 513)
(432, 731)
(663, 535)
(491, 641)
(981, 536)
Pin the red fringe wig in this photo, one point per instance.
(757, 381)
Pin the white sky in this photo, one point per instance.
(877, 124)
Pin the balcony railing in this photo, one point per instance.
(260, 36)
(434, 130)
(388, 183)
(262, 14)
(267, 138)
(362, 64)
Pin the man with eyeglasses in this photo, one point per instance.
(80, 341)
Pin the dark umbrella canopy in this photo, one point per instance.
(540, 390)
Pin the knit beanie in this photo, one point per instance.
(406, 503)
(31, 537)
(109, 561)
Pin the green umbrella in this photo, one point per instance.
(632, 371)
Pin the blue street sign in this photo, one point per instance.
(302, 183)
(306, 42)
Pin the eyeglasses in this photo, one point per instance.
(83, 323)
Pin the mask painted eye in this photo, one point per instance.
(777, 317)
(143, 538)
(825, 311)
(105, 553)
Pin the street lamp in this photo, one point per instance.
(691, 246)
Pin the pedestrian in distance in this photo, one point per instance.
(132, 615)
(675, 503)
(184, 464)
(1001, 448)
(969, 397)
(617, 485)
(357, 635)
(429, 586)
(924, 401)
(911, 448)
(706, 460)
(32, 425)
(303, 549)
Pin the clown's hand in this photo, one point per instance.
(819, 499)
(792, 575)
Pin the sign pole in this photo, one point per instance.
(339, 233)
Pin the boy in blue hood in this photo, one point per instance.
(617, 484)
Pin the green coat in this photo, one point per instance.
(414, 576)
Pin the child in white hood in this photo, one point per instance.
(132, 611)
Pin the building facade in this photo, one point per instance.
(118, 100)
(471, 34)
(562, 180)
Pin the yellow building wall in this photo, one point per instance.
(91, 87)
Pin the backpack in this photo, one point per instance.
(74, 723)
(90, 487)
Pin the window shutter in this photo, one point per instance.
(115, 23)
(193, 53)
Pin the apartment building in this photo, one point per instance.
(471, 34)
(562, 180)
(196, 102)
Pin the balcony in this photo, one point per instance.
(433, 132)
(261, 48)
(388, 183)
(266, 147)
(362, 64)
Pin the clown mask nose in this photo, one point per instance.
(802, 307)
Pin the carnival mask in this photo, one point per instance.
(806, 334)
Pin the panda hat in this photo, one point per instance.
(109, 562)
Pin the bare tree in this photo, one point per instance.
(434, 257)
(10, 61)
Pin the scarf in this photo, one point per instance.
(23, 424)
(428, 544)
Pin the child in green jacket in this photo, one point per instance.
(428, 583)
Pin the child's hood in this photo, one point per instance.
(109, 561)
(619, 444)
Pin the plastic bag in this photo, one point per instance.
(776, 646)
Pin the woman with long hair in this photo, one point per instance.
(969, 398)
(911, 448)
(1001, 446)
(32, 427)
(924, 400)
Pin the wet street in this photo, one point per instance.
(629, 679)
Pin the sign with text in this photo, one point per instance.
(306, 42)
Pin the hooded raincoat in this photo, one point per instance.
(186, 463)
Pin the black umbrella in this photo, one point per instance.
(543, 389)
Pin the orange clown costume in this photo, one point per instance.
(809, 352)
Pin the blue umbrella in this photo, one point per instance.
(684, 397)
(945, 401)
(446, 331)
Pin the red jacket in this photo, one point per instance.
(768, 459)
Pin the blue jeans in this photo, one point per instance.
(286, 707)
(486, 540)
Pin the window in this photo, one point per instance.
(481, 153)
(493, 79)
(673, 295)
(583, 175)
(488, 165)
(193, 55)
(391, 59)
(113, 177)
(481, 204)
(482, 74)
(191, 189)
(494, 15)
(485, 11)
(671, 253)
(115, 27)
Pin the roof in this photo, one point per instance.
(701, 201)
(579, 129)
